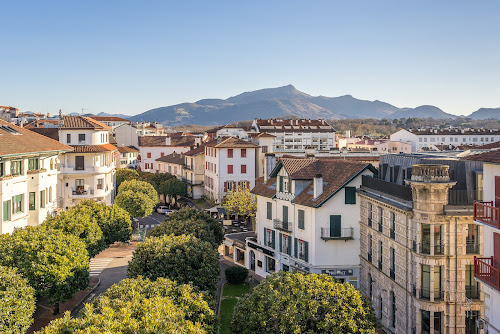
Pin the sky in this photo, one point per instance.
(119, 56)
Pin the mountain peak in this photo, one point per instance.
(279, 93)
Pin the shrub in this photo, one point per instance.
(236, 274)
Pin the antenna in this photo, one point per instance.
(83, 110)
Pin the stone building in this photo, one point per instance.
(417, 251)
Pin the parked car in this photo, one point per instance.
(169, 212)
(162, 209)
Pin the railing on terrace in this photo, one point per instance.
(281, 225)
(337, 234)
(487, 213)
(389, 188)
(485, 271)
(472, 247)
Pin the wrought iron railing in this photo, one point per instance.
(281, 225)
(332, 234)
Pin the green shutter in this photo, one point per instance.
(279, 242)
(285, 214)
(335, 226)
(306, 246)
(269, 210)
(281, 183)
(289, 250)
(301, 219)
(350, 195)
(6, 211)
(273, 242)
(295, 246)
(265, 236)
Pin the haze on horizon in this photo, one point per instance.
(129, 56)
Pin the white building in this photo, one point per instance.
(308, 219)
(154, 147)
(297, 135)
(487, 215)
(229, 163)
(111, 121)
(128, 157)
(28, 177)
(89, 170)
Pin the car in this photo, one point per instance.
(168, 212)
(162, 209)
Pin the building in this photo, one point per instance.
(382, 146)
(111, 121)
(28, 176)
(296, 135)
(128, 157)
(229, 163)
(89, 170)
(8, 113)
(307, 219)
(418, 243)
(487, 216)
(155, 147)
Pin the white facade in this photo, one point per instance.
(149, 154)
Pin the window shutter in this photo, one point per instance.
(269, 210)
(265, 236)
(306, 246)
(350, 195)
(289, 250)
(280, 245)
(273, 242)
(225, 186)
(285, 214)
(281, 183)
(301, 219)
(335, 226)
(295, 247)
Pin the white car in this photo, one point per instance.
(162, 209)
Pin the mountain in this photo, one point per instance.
(486, 113)
(103, 114)
(279, 102)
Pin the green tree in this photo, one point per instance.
(17, 302)
(137, 197)
(114, 221)
(80, 222)
(56, 264)
(182, 258)
(291, 302)
(240, 202)
(142, 306)
(172, 187)
(125, 174)
(191, 221)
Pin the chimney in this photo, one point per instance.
(318, 185)
(168, 141)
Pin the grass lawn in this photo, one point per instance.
(230, 296)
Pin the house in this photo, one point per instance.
(229, 163)
(382, 146)
(128, 157)
(28, 177)
(418, 243)
(154, 147)
(8, 113)
(111, 121)
(307, 218)
(89, 170)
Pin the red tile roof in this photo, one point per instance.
(231, 142)
(127, 149)
(492, 157)
(173, 158)
(52, 133)
(195, 151)
(293, 125)
(83, 122)
(93, 148)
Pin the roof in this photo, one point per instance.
(127, 149)
(15, 140)
(265, 134)
(454, 132)
(93, 148)
(491, 157)
(293, 125)
(173, 158)
(336, 174)
(195, 151)
(488, 146)
(40, 123)
(109, 119)
(231, 142)
(83, 122)
(52, 133)
(162, 140)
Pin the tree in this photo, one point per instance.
(143, 306)
(236, 274)
(292, 302)
(139, 186)
(173, 187)
(55, 264)
(114, 221)
(137, 197)
(125, 174)
(182, 258)
(80, 222)
(191, 221)
(240, 202)
(17, 302)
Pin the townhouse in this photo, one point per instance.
(307, 219)
(154, 147)
(28, 176)
(111, 121)
(128, 157)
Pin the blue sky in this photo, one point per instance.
(131, 56)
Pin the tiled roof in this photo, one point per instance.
(127, 149)
(93, 148)
(492, 156)
(83, 122)
(174, 158)
(488, 146)
(162, 140)
(109, 119)
(52, 133)
(454, 132)
(231, 142)
(15, 140)
(293, 125)
(40, 123)
(195, 151)
(336, 174)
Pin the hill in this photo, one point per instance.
(486, 113)
(422, 112)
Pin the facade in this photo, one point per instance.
(418, 243)
(307, 219)
(155, 147)
(297, 135)
(382, 146)
(128, 156)
(8, 113)
(28, 177)
(89, 170)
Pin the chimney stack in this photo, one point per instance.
(318, 185)
(167, 141)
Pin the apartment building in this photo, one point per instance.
(382, 146)
(155, 147)
(128, 157)
(297, 135)
(89, 170)
(307, 219)
(487, 216)
(8, 113)
(28, 176)
(418, 243)
(229, 163)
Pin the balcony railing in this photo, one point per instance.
(485, 271)
(487, 213)
(472, 247)
(425, 248)
(425, 293)
(337, 234)
(283, 226)
(472, 292)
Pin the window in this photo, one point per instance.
(370, 241)
(270, 265)
(243, 169)
(33, 164)
(79, 186)
(100, 183)
(31, 205)
(269, 236)
(16, 167)
(370, 285)
(285, 243)
(79, 162)
(230, 153)
(149, 155)
(393, 263)
(269, 210)
(230, 169)
(426, 322)
(472, 239)
(68, 138)
(370, 213)
(437, 283)
(285, 214)
(438, 319)
(243, 152)
(161, 155)
(350, 195)
(438, 247)
(393, 309)
(471, 285)
(380, 254)
(42, 199)
(301, 249)
(2, 173)
(81, 137)
(301, 219)
(425, 286)
(6, 211)
(17, 203)
(380, 219)
(264, 149)
(51, 164)
(335, 226)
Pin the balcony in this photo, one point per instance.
(282, 226)
(472, 292)
(487, 213)
(338, 234)
(425, 293)
(485, 271)
(425, 248)
(86, 192)
(472, 247)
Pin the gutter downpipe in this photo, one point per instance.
(407, 273)
(456, 269)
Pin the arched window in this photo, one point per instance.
(51, 164)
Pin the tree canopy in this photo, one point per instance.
(55, 264)
(292, 302)
(139, 186)
(191, 221)
(17, 302)
(138, 198)
(240, 202)
(172, 187)
(182, 258)
(124, 174)
(142, 306)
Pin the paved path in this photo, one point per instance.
(97, 265)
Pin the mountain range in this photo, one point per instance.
(288, 101)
